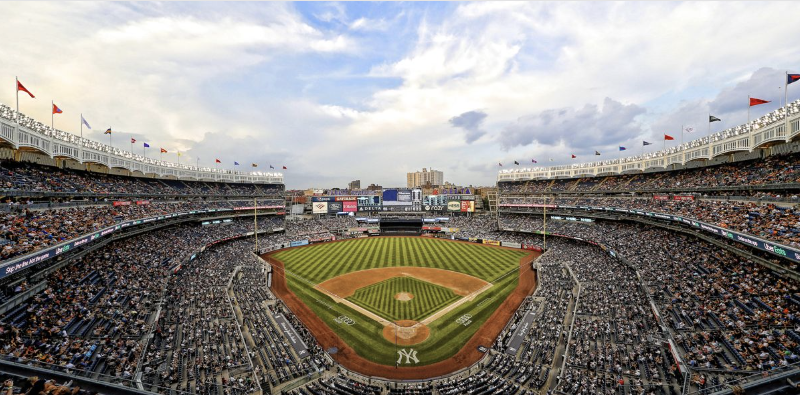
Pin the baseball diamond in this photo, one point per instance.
(381, 298)
(396, 288)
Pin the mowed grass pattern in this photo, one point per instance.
(321, 262)
(380, 298)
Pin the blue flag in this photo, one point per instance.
(621, 148)
(146, 145)
(236, 163)
(85, 123)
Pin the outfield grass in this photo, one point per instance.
(380, 298)
(312, 265)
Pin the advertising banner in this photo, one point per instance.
(526, 205)
(350, 207)
(346, 198)
(142, 202)
(682, 197)
(510, 244)
(454, 206)
(491, 242)
(531, 247)
(467, 206)
(298, 243)
(335, 207)
(319, 207)
(323, 198)
(661, 197)
(404, 196)
(433, 228)
(121, 203)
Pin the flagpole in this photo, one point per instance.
(709, 126)
(16, 133)
(81, 125)
(51, 114)
(748, 113)
(786, 104)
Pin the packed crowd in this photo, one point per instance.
(778, 169)
(769, 221)
(29, 177)
(25, 231)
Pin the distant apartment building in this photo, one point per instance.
(354, 185)
(424, 177)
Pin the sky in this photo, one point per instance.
(343, 91)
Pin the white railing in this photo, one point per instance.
(32, 134)
(768, 129)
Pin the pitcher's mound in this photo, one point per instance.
(404, 296)
(408, 332)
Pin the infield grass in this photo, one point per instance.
(380, 298)
(307, 266)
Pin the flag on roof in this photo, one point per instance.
(499, 164)
(688, 129)
(668, 137)
(573, 156)
(712, 118)
(792, 78)
(645, 143)
(108, 131)
(271, 167)
(85, 123)
(597, 152)
(254, 165)
(163, 151)
(20, 87)
(217, 161)
(516, 163)
(621, 148)
(133, 140)
(284, 168)
(534, 161)
(56, 110)
(146, 145)
(755, 102)
(235, 163)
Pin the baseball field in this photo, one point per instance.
(401, 302)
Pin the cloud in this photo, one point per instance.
(584, 129)
(471, 122)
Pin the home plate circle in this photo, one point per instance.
(406, 332)
(404, 296)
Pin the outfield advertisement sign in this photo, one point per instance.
(467, 206)
(298, 243)
(350, 206)
(335, 207)
(319, 207)
(510, 244)
(491, 242)
(454, 206)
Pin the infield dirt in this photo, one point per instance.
(465, 357)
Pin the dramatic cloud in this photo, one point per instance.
(471, 122)
(584, 129)
(371, 91)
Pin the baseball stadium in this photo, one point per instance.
(399, 198)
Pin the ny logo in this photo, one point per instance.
(410, 355)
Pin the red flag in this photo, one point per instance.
(284, 168)
(133, 140)
(668, 137)
(755, 102)
(163, 151)
(573, 156)
(56, 110)
(217, 160)
(22, 88)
